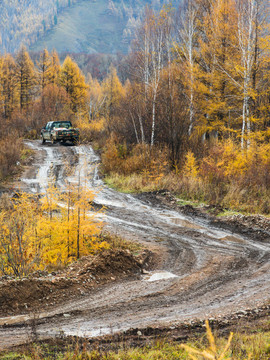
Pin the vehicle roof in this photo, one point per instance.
(59, 121)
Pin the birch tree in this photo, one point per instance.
(150, 47)
(247, 16)
(186, 50)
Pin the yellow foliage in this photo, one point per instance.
(94, 125)
(54, 231)
(73, 81)
(150, 162)
(190, 167)
(212, 353)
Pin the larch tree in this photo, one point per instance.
(25, 77)
(73, 81)
(44, 68)
(216, 50)
(8, 85)
(55, 69)
(113, 91)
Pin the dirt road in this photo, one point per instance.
(202, 272)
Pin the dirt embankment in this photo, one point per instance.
(256, 227)
(42, 290)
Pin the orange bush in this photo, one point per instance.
(10, 151)
(141, 159)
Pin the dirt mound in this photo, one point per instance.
(31, 293)
(113, 263)
(256, 227)
(251, 221)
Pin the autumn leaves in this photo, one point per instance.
(49, 232)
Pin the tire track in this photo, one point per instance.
(217, 272)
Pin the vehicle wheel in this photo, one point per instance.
(75, 141)
(52, 140)
(43, 140)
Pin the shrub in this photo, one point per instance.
(10, 151)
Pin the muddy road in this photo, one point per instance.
(201, 272)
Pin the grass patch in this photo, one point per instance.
(193, 192)
(134, 183)
(242, 347)
(183, 202)
(118, 243)
(26, 154)
(230, 213)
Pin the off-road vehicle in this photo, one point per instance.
(59, 131)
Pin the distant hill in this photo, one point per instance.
(101, 26)
(22, 22)
(78, 26)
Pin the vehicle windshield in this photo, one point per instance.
(65, 124)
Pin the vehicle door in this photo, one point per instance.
(47, 131)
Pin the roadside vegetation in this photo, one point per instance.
(235, 347)
(48, 233)
(223, 177)
(30, 96)
(193, 116)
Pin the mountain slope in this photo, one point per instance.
(78, 26)
(88, 27)
(23, 21)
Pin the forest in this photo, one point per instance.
(190, 114)
(22, 22)
(85, 25)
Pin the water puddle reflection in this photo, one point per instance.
(159, 275)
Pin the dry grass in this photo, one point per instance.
(235, 347)
(226, 176)
(10, 153)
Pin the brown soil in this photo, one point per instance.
(241, 322)
(217, 275)
(44, 290)
(245, 322)
(254, 226)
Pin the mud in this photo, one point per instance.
(217, 271)
(46, 290)
(253, 226)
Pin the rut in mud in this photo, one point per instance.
(202, 271)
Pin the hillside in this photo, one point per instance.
(88, 27)
(23, 22)
(104, 26)
(78, 26)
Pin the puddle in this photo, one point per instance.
(14, 320)
(186, 223)
(232, 238)
(84, 332)
(161, 275)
